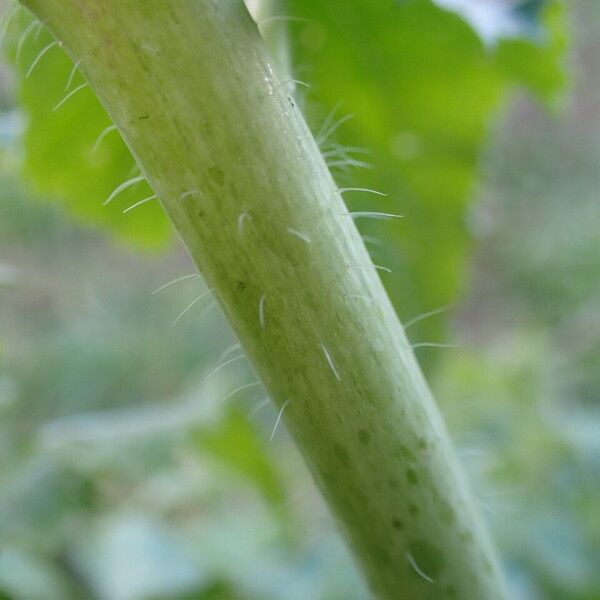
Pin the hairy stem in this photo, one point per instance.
(192, 89)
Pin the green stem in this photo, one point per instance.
(191, 87)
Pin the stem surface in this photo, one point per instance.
(192, 90)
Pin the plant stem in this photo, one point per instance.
(192, 90)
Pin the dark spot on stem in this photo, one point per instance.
(397, 524)
(143, 117)
(342, 454)
(241, 285)
(217, 175)
(364, 437)
(407, 454)
(411, 476)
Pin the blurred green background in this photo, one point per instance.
(123, 476)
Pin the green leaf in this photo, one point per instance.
(537, 63)
(235, 444)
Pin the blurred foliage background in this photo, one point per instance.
(125, 476)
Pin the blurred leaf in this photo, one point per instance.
(25, 576)
(135, 557)
(60, 158)
(537, 62)
(422, 88)
(39, 501)
(235, 444)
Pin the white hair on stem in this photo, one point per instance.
(222, 366)
(73, 73)
(418, 570)
(229, 350)
(6, 18)
(371, 214)
(40, 28)
(426, 315)
(343, 156)
(258, 406)
(278, 420)
(261, 311)
(369, 239)
(341, 150)
(360, 189)
(323, 137)
(190, 193)
(328, 120)
(371, 266)
(299, 234)
(241, 220)
(23, 38)
(102, 135)
(348, 162)
(330, 362)
(70, 95)
(124, 186)
(246, 386)
(292, 81)
(41, 55)
(191, 304)
(140, 203)
(174, 281)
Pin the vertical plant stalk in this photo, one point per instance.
(192, 89)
